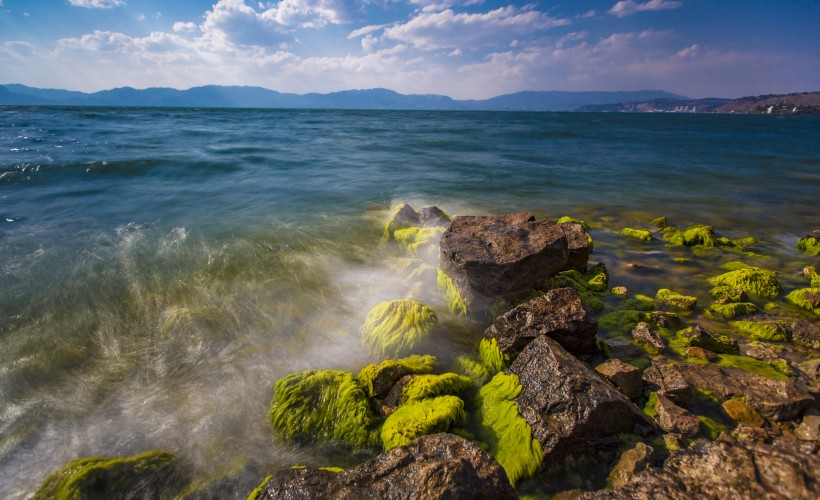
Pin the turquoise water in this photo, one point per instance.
(161, 268)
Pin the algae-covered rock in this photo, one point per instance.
(492, 357)
(807, 298)
(567, 219)
(660, 222)
(638, 234)
(620, 322)
(507, 434)
(323, 406)
(402, 217)
(725, 294)
(672, 235)
(761, 330)
(421, 417)
(698, 336)
(377, 379)
(451, 293)
(395, 328)
(752, 280)
(732, 309)
(699, 235)
(676, 300)
(644, 333)
(810, 245)
(418, 387)
(147, 475)
(473, 369)
(433, 217)
(742, 413)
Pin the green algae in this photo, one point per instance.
(258, 490)
(395, 328)
(415, 239)
(586, 284)
(660, 222)
(806, 298)
(492, 357)
(732, 309)
(713, 427)
(371, 374)
(728, 294)
(734, 265)
(751, 365)
(335, 470)
(567, 219)
(639, 302)
(430, 386)
(472, 369)
(451, 294)
(638, 234)
(393, 224)
(620, 322)
(323, 406)
(672, 235)
(421, 417)
(699, 234)
(670, 298)
(507, 434)
(753, 280)
(147, 474)
(760, 330)
(682, 260)
(651, 404)
(809, 246)
(691, 337)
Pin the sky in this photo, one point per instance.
(466, 49)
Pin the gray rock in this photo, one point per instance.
(805, 334)
(434, 466)
(624, 376)
(759, 351)
(644, 333)
(433, 216)
(668, 381)
(673, 418)
(501, 258)
(569, 407)
(558, 314)
(621, 348)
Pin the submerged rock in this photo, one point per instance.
(558, 314)
(676, 300)
(569, 407)
(501, 258)
(810, 244)
(638, 234)
(436, 466)
(397, 327)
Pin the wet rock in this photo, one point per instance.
(701, 353)
(579, 246)
(725, 469)
(403, 216)
(621, 348)
(758, 351)
(805, 333)
(632, 461)
(505, 257)
(569, 407)
(624, 376)
(668, 381)
(620, 290)
(673, 418)
(435, 466)
(644, 333)
(809, 429)
(378, 379)
(433, 216)
(697, 336)
(774, 399)
(558, 314)
(394, 396)
(742, 413)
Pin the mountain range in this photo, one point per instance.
(214, 96)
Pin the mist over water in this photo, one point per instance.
(162, 268)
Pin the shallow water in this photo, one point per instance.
(161, 268)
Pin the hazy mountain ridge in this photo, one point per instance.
(797, 103)
(258, 97)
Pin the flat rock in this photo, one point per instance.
(569, 407)
(742, 413)
(644, 333)
(505, 257)
(624, 376)
(774, 399)
(434, 466)
(667, 381)
(725, 469)
(558, 314)
(673, 418)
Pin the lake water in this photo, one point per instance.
(162, 268)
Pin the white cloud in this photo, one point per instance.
(234, 22)
(313, 13)
(181, 27)
(629, 7)
(366, 30)
(96, 4)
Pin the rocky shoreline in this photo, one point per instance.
(565, 395)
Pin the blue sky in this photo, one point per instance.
(460, 48)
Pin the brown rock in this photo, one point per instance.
(809, 429)
(505, 257)
(774, 399)
(701, 353)
(558, 314)
(673, 418)
(569, 407)
(667, 381)
(621, 348)
(577, 246)
(644, 333)
(434, 466)
(740, 412)
(433, 216)
(805, 334)
(759, 351)
(632, 461)
(624, 376)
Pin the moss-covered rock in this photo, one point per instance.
(507, 434)
(699, 235)
(567, 219)
(147, 475)
(451, 294)
(807, 298)
(696, 336)
(672, 235)
(472, 369)
(492, 357)
(638, 234)
(752, 280)
(323, 406)
(377, 379)
(431, 385)
(421, 417)
(676, 300)
(660, 222)
(810, 245)
(732, 309)
(760, 330)
(726, 293)
(395, 328)
(639, 302)
(620, 322)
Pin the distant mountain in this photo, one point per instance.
(800, 103)
(258, 97)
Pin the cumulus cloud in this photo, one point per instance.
(95, 4)
(629, 7)
(314, 13)
(181, 27)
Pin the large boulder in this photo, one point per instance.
(558, 314)
(501, 258)
(434, 466)
(774, 399)
(725, 469)
(569, 407)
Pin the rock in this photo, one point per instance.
(805, 333)
(725, 469)
(668, 381)
(673, 418)
(758, 351)
(644, 333)
(435, 466)
(621, 348)
(558, 314)
(809, 429)
(807, 298)
(701, 353)
(501, 258)
(433, 216)
(632, 461)
(569, 407)
(742, 413)
(624, 376)
(697, 336)
(403, 216)
(638, 234)
(579, 246)
(773, 331)
(673, 299)
(699, 235)
(421, 417)
(752, 280)
(397, 328)
(378, 379)
(774, 399)
(810, 244)
(620, 291)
